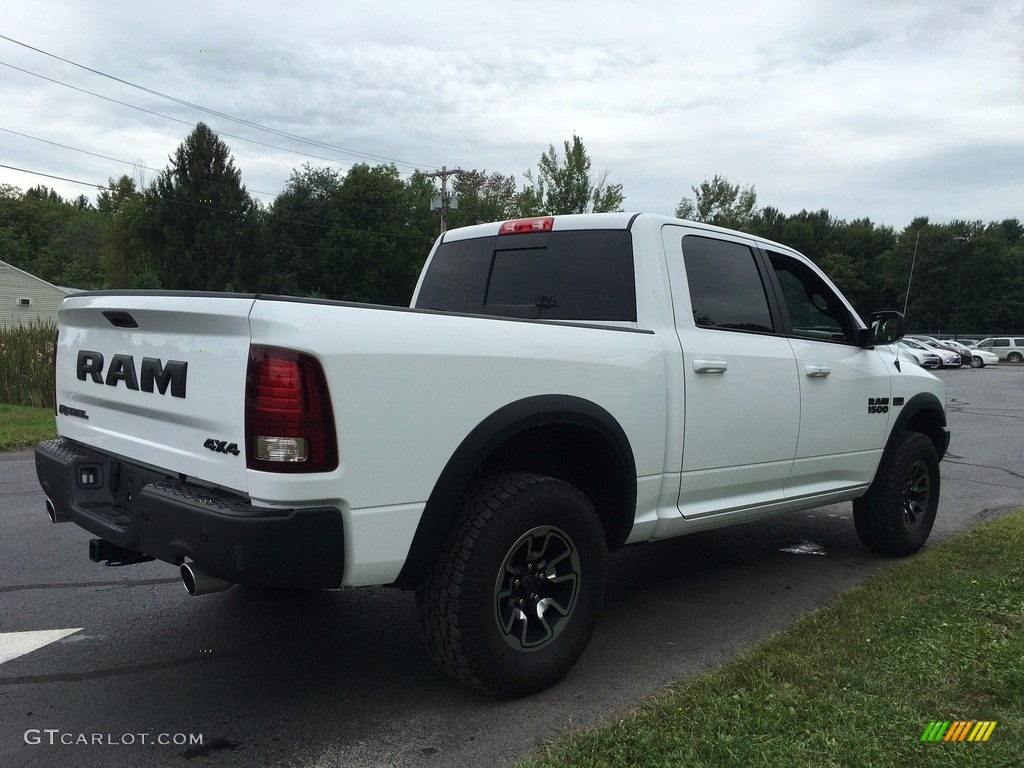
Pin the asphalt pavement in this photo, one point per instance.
(139, 672)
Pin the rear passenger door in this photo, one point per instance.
(742, 398)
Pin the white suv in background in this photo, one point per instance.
(1009, 348)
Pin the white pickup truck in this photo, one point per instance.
(561, 387)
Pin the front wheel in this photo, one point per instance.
(977, 362)
(897, 513)
(513, 597)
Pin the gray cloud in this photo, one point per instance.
(866, 107)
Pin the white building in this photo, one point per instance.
(27, 299)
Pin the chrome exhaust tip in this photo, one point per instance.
(53, 514)
(198, 582)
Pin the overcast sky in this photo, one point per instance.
(870, 108)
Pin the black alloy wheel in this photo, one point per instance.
(536, 589)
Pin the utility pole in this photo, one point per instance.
(445, 199)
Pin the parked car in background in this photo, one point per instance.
(1009, 348)
(931, 341)
(926, 358)
(979, 357)
(947, 357)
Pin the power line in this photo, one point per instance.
(168, 117)
(51, 176)
(242, 121)
(74, 149)
(98, 96)
(134, 164)
(106, 157)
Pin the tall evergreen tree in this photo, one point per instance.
(204, 223)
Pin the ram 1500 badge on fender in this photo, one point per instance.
(560, 387)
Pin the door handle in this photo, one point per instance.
(817, 371)
(710, 366)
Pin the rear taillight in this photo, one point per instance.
(522, 226)
(279, 386)
(53, 369)
(289, 423)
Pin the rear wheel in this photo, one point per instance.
(896, 515)
(977, 362)
(1014, 357)
(513, 597)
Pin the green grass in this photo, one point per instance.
(937, 637)
(22, 427)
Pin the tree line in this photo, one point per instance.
(363, 235)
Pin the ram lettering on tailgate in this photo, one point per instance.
(155, 374)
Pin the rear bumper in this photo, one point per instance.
(157, 514)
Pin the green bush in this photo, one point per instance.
(26, 364)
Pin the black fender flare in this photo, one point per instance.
(923, 401)
(490, 434)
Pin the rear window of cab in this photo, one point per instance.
(570, 275)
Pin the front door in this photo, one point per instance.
(844, 389)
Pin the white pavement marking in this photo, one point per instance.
(15, 644)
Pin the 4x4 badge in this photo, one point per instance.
(221, 446)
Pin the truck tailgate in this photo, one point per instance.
(159, 378)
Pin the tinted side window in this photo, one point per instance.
(572, 275)
(725, 286)
(457, 276)
(1000, 342)
(1018, 342)
(815, 311)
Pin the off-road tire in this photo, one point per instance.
(510, 529)
(897, 513)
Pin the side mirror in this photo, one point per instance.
(887, 327)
